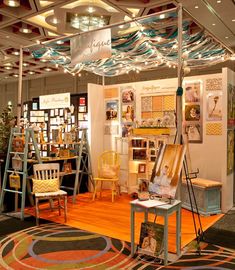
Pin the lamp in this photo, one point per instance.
(86, 22)
(12, 3)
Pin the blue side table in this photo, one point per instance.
(161, 210)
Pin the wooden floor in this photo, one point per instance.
(113, 219)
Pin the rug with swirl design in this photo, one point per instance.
(57, 246)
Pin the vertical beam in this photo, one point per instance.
(180, 75)
(19, 100)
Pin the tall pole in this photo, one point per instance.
(19, 100)
(180, 74)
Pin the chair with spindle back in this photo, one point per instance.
(46, 186)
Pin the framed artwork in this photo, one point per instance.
(56, 112)
(192, 112)
(127, 113)
(128, 95)
(111, 110)
(14, 181)
(142, 168)
(82, 108)
(192, 91)
(230, 151)
(231, 105)
(52, 113)
(126, 129)
(35, 106)
(68, 167)
(61, 112)
(151, 239)
(214, 106)
(68, 138)
(194, 132)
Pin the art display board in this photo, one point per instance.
(208, 147)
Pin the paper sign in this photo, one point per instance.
(91, 46)
(54, 101)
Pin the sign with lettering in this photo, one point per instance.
(91, 46)
(54, 101)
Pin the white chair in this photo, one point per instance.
(49, 171)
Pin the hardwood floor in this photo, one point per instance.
(113, 219)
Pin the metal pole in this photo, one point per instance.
(180, 76)
(19, 100)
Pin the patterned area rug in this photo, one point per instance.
(57, 246)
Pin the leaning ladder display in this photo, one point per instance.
(21, 189)
(83, 163)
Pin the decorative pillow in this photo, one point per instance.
(109, 171)
(50, 185)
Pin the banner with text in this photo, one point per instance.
(91, 46)
(54, 101)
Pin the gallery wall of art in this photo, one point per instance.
(152, 103)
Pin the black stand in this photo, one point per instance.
(192, 198)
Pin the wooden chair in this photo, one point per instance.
(49, 171)
(108, 171)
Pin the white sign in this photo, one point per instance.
(91, 46)
(54, 101)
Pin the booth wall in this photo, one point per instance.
(209, 156)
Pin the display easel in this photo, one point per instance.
(20, 188)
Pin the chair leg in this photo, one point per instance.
(95, 190)
(101, 187)
(37, 211)
(59, 206)
(65, 208)
(51, 204)
(113, 191)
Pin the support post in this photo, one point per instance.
(19, 99)
(180, 76)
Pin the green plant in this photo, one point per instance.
(7, 121)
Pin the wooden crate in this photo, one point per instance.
(207, 193)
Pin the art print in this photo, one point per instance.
(127, 113)
(192, 112)
(214, 106)
(194, 132)
(151, 239)
(128, 94)
(111, 110)
(230, 151)
(231, 105)
(192, 92)
(126, 129)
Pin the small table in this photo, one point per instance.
(162, 210)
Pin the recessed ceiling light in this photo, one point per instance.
(25, 30)
(60, 42)
(233, 20)
(213, 24)
(90, 9)
(226, 37)
(8, 67)
(7, 36)
(47, 69)
(15, 75)
(6, 77)
(16, 53)
(219, 1)
(196, 6)
(31, 72)
(162, 16)
(12, 3)
(43, 60)
(54, 20)
(25, 64)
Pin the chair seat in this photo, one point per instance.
(51, 194)
(105, 179)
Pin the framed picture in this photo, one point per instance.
(142, 168)
(194, 132)
(230, 151)
(151, 239)
(82, 108)
(192, 112)
(111, 110)
(127, 113)
(35, 106)
(214, 106)
(67, 167)
(52, 113)
(68, 138)
(126, 129)
(231, 105)
(128, 95)
(56, 112)
(192, 91)
(61, 112)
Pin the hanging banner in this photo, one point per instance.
(54, 101)
(91, 46)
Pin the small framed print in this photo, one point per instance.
(52, 113)
(111, 110)
(214, 106)
(142, 168)
(192, 112)
(56, 112)
(192, 91)
(194, 132)
(34, 106)
(67, 168)
(61, 112)
(82, 108)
